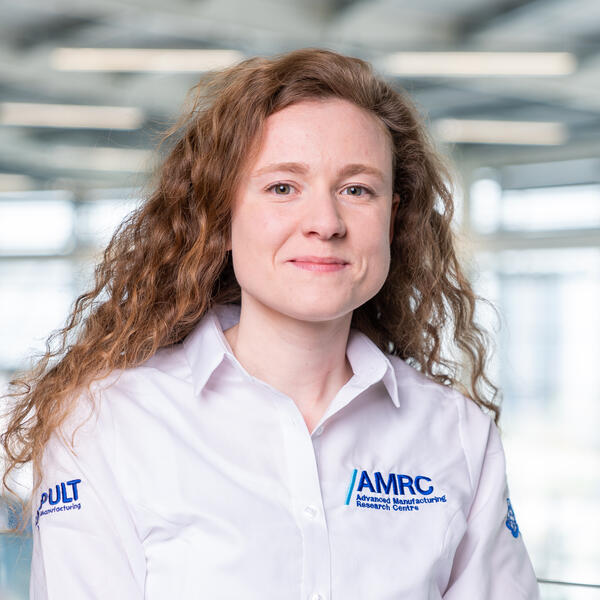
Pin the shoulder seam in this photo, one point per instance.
(458, 398)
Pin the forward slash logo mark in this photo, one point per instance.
(351, 488)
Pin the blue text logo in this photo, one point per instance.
(62, 494)
(397, 484)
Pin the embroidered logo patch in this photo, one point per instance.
(511, 522)
(60, 498)
(392, 491)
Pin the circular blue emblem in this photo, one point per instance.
(511, 522)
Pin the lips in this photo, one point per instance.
(319, 264)
(320, 260)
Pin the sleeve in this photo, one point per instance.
(85, 543)
(491, 561)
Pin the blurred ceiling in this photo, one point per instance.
(31, 31)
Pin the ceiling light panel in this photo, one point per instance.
(141, 59)
(501, 132)
(479, 64)
(27, 114)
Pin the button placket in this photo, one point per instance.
(305, 491)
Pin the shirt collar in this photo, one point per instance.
(370, 364)
(206, 347)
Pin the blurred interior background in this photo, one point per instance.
(511, 92)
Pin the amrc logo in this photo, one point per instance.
(413, 491)
(60, 498)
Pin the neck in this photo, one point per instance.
(306, 360)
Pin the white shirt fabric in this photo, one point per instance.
(194, 479)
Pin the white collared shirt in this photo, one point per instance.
(195, 479)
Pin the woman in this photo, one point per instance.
(269, 413)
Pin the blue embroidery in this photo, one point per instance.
(62, 499)
(511, 522)
(351, 486)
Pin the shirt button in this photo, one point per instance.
(316, 596)
(310, 512)
(319, 430)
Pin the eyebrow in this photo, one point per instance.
(303, 169)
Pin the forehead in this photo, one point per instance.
(324, 129)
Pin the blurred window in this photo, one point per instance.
(97, 219)
(36, 223)
(546, 363)
(568, 207)
(49, 241)
(35, 297)
(537, 209)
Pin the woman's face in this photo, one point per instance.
(310, 231)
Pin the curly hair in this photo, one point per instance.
(167, 263)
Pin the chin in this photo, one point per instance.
(321, 317)
(309, 305)
(318, 311)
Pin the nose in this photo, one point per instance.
(322, 217)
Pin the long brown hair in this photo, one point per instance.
(167, 264)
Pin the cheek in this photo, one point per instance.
(375, 236)
(378, 251)
(383, 260)
(256, 233)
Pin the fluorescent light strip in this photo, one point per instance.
(141, 59)
(70, 115)
(15, 182)
(99, 158)
(479, 64)
(535, 133)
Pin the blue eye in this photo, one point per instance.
(357, 190)
(281, 189)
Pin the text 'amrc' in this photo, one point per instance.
(408, 493)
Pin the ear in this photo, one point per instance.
(395, 203)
